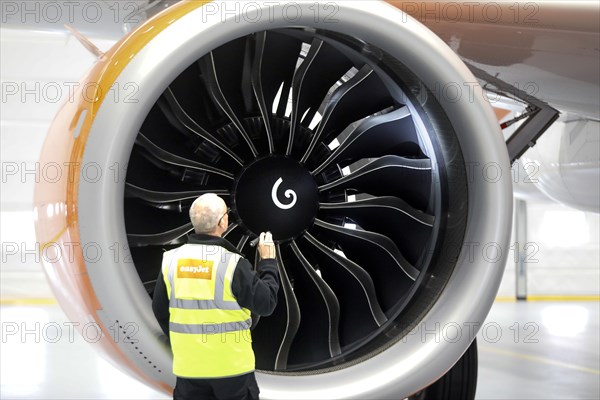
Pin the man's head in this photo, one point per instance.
(209, 215)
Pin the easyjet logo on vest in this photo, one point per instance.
(194, 269)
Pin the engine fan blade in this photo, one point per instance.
(312, 82)
(179, 118)
(373, 137)
(169, 158)
(408, 179)
(391, 272)
(162, 238)
(380, 242)
(321, 331)
(215, 86)
(360, 311)
(268, 77)
(160, 197)
(242, 242)
(292, 317)
(347, 104)
(390, 216)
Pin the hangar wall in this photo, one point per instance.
(562, 254)
(30, 98)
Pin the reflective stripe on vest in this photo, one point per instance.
(210, 332)
(207, 329)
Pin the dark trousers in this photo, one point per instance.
(242, 387)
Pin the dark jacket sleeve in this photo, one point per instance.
(160, 304)
(256, 291)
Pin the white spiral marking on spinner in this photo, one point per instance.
(288, 193)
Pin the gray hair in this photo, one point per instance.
(205, 212)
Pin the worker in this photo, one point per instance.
(203, 299)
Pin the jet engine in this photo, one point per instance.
(322, 123)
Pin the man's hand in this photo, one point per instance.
(266, 247)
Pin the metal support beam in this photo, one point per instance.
(520, 248)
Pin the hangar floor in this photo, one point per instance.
(528, 350)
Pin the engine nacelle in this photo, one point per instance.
(564, 163)
(339, 106)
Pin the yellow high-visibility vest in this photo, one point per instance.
(209, 331)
